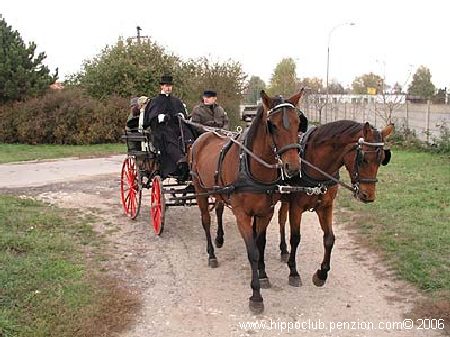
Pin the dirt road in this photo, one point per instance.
(182, 296)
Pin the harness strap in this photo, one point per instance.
(225, 148)
(279, 106)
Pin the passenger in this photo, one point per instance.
(210, 113)
(142, 103)
(133, 123)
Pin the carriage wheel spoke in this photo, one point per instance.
(130, 190)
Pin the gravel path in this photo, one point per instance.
(182, 296)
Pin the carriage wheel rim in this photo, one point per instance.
(157, 206)
(130, 192)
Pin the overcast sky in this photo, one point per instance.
(390, 38)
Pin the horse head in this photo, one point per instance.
(283, 124)
(364, 159)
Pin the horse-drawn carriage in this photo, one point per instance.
(141, 170)
(254, 171)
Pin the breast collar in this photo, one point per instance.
(245, 182)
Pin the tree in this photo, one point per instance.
(22, 74)
(127, 69)
(397, 89)
(227, 78)
(133, 68)
(313, 84)
(361, 83)
(440, 96)
(283, 78)
(254, 87)
(421, 84)
(335, 88)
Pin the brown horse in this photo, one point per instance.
(358, 147)
(248, 182)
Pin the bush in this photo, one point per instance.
(406, 138)
(66, 116)
(442, 143)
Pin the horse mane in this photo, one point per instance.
(334, 131)
(251, 132)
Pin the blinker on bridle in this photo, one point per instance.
(282, 106)
(359, 160)
(286, 124)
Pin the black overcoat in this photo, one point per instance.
(170, 136)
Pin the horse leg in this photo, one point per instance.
(256, 303)
(282, 217)
(206, 223)
(295, 218)
(260, 227)
(325, 219)
(219, 212)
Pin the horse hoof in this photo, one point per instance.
(264, 283)
(256, 307)
(317, 281)
(213, 263)
(284, 257)
(295, 281)
(218, 243)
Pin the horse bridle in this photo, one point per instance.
(286, 124)
(359, 158)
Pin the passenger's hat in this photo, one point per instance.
(166, 79)
(209, 93)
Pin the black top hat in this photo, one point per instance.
(209, 93)
(166, 79)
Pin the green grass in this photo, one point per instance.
(47, 287)
(410, 219)
(21, 152)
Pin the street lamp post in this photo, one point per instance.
(328, 64)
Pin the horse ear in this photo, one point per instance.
(296, 98)
(387, 130)
(267, 101)
(366, 129)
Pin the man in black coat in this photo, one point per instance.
(164, 115)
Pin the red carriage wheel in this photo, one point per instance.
(130, 188)
(157, 205)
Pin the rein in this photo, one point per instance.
(329, 176)
(249, 152)
(355, 186)
(230, 135)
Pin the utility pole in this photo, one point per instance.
(328, 62)
(139, 36)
